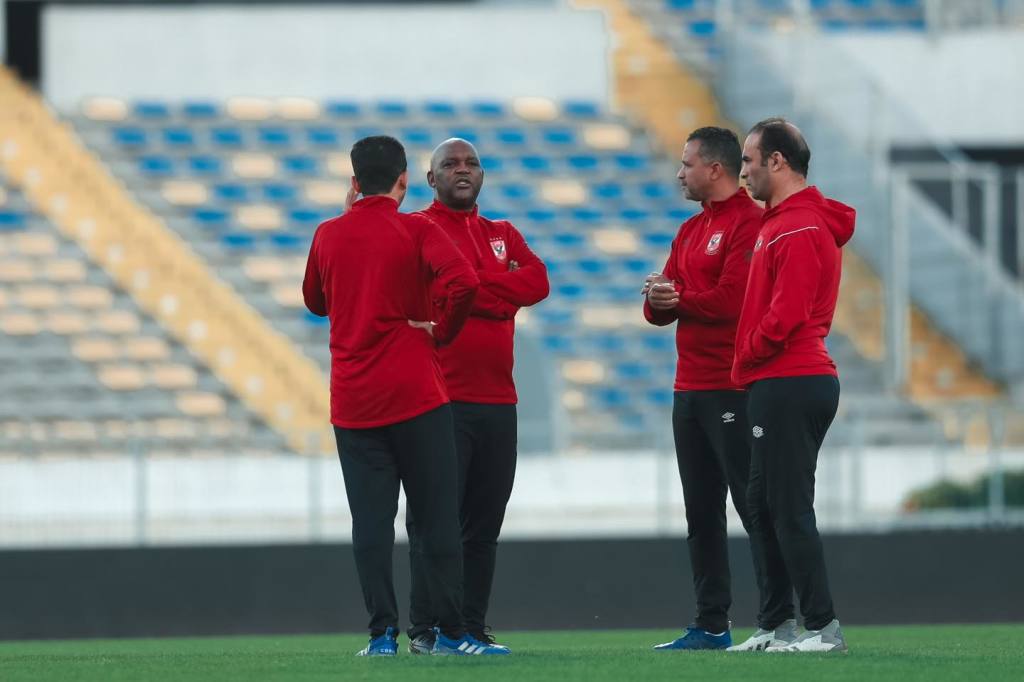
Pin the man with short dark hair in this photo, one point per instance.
(478, 372)
(793, 384)
(371, 271)
(701, 290)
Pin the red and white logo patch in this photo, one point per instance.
(498, 246)
(714, 244)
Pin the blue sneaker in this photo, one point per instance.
(467, 646)
(385, 645)
(697, 638)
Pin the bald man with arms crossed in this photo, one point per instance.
(477, 369)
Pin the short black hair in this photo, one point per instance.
(779, 135)
(377, 161)
(721, 145)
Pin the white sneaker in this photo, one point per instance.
(826, 640)
(764, 640)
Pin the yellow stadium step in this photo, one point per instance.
(66, 183)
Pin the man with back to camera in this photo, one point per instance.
(371, 271)
(782, 358)
(477, 369)
(701, 289)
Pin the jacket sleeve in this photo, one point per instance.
(312, 283)
(797, 267)
(724, 301)
(454, 276)
(487, 304)
(662, 318)
(523, 287)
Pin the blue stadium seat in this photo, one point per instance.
(11, 221)
(608, 343)
(554, 317)
(179, 137)
(634, 215)
(659, 343)
(130, 136)
(280, 192)
(416, 137)
(555, 266)
(570, 292)
(679, 214)
(154, 165)
(583, 162)
(607, 190)
(633, 371)
(315, 320)
(681, 5)
(487, 109)
(821, 4)
(200, 110)
(703, 29)
(495, 214)
(367, 131)
(421, 193)
(631, 161)
(238, 240)
(275, 136)
(581, 109)
(658, 240)
(151, 110)
(541, 215)
(638, 266)
(440, 109)
(569, 240)
(393, 109)
(232, 192)
(587, 215)
(836, 25)
(492, 164)
(468, 134)
(300, 164)
(560, 136)
(307, 215)
(610, 398)
(211, 218)
(512, 137)
(516, 191)
(660, 397)
(226, 137)
(536, 163)
(559, 343)
(286, 241)
(656, 190)
(621, 293)
(205, 165)
(592, 266)
(323, 137)
(343, 109)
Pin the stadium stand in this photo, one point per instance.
(245, 186)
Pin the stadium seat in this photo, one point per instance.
(121, 377)
(616, 242)
(563, 192)
(211, 218)
(298, 109)
(249, 108)
(607, 137)
(185, 193)
(288, 295)
(259, 217)
(232, 192)
(64, 270)
(89, 296)
(492, 164)
(197, 110)
(275, 136)
(590, 216)
(339, 165)
(633, 215)
(289, 242)
(485, 109)
(633, 371)
(178, 137)
(535, 109)
(569, 240)
(281, 193)
(300, 165)
(238, 241)
(326, 193)
(580, 109)
(439, 109)
(205, 165)
(583, 162)
(583, 371)
(226, 137)
(105, 109)
(130, 136)
(255, 166)
(392, 109)
(12, 220)
(593, 267)
(146, 348)
(658, 240)
(343, 109)
(323, 137)
(702, 29)
(94, 349)
(155, 166)
(38, 296)
(200, 404)
(20, 324)
(35, 244)
(559, 343)
(118, 322)
(416, 137)
(515, 191)
(20, 270)
(559, 137)
(607, 190)
(536, 164)
(170, 377)
(631, 162)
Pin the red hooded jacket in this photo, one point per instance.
(371, 271)
(477, 365)
(709, 261)
(793, 287)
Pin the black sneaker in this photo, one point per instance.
(422, 644)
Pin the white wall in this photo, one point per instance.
(357, 52)
(960, 87)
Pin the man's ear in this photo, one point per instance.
(430, 179)
(777, 161)
(403, 180)
(355, 185)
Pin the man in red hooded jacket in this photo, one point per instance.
(781, 356)
(477, 369)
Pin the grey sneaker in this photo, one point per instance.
(422, 644)
(828, 639)
(762, 640)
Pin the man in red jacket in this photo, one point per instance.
(781, 355)
(701, 290)
(371, 271)
(477, 369)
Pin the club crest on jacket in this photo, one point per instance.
(714, 244)
(498, 246)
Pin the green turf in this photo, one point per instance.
(904, 654)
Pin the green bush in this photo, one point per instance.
(951, 495)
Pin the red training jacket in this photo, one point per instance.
(371, 271)
(477, 365)
(793, 287)
(709, 261)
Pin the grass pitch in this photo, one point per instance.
(986, 653)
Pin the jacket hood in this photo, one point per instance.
(837, 216)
